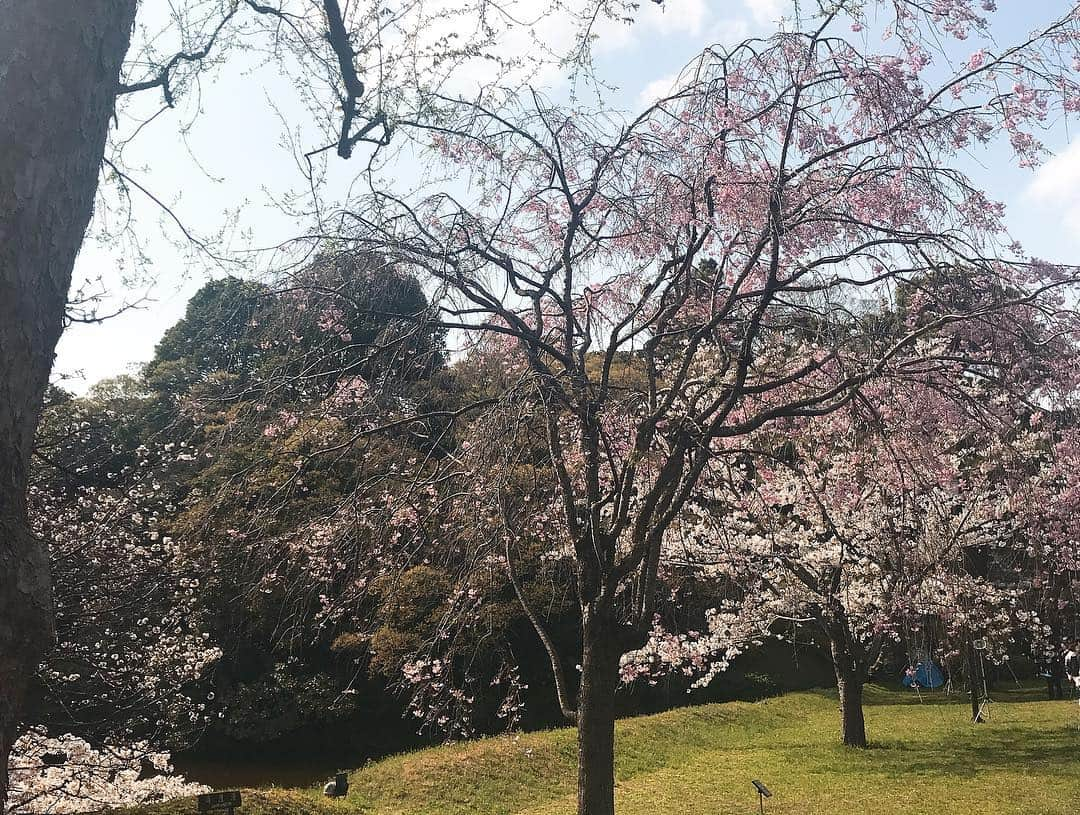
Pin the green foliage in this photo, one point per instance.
(342, 316)
(285, 700)
(245, 393)
(220, 333)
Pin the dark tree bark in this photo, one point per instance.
(852, 721)
(596, 719)
(850, 677)
(59, 68)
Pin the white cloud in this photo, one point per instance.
(538, 45)
(728, 31)
(681, 17)
(1057, 185)
(692, 24)
(764, 12)
(676, 18)
(657, 89)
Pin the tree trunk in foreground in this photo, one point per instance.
(850, 679)
(852, 721)
(596, 724)
(59, 68)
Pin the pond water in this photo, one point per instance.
(252, 770)
(303, 759)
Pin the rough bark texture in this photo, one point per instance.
(852, 721)
(59, 67)
(850, 679)
(596, 721)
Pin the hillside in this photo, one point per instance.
(926, 759)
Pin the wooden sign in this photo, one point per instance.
(219, 801)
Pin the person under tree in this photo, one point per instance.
(1055, 675)
(1072, 663)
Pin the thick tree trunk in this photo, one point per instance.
(59, 68)
(850, 678)
(596, 723)
(852, 721)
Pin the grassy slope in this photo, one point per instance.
(926, 760)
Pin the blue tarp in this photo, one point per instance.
(925, 675)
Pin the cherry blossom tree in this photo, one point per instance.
(68, 73)
(898, 511)
(1049, 555)
(131, 658)
(66, 774)
(731, 243)
(129, 671)
(860, 527)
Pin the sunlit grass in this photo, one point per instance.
(925, 759)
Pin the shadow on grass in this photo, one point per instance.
(1023, 751)
(877, 695)
(1036, 737)
(1029, 752)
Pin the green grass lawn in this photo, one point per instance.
(926, 759)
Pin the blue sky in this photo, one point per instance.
(220, 161)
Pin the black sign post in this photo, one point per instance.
(763, 793)
(224, 802)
